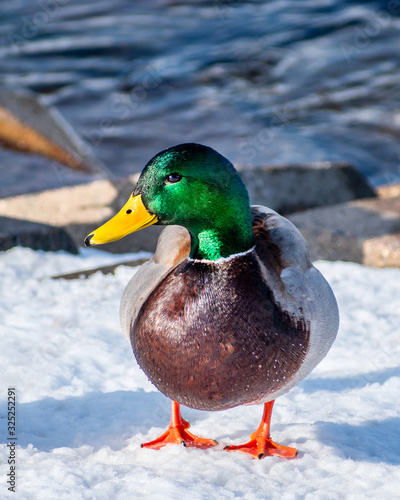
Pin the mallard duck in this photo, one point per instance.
(230, 310)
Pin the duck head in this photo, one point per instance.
(190, 185)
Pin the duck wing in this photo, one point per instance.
(298, 287)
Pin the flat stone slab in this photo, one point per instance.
(364, 231)
(294, 188)
(14, 232)
(84, 204)
(81, 209)
(109, 269)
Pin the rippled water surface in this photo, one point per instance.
(262, 82)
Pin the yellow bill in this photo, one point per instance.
(132, 217)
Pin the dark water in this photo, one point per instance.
(262, 82)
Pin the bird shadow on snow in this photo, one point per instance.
(339, 384)
(96, 419)
(374, 441)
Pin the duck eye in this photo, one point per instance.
(175, 177)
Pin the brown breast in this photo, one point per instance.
(211, 336)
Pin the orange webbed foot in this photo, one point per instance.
(263, 448)
(177, 434)
(261, 444)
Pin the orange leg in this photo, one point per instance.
(261, 444)
(177, 433)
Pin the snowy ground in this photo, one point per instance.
(84, 406)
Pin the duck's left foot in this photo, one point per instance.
(260, 448)
(177, 434)
(261, 444)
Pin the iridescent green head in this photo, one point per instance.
(194, 186)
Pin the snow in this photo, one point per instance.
(84, 406)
